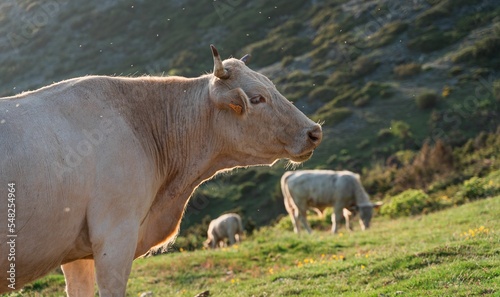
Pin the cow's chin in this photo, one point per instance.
(301, 158)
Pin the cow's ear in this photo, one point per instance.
(234, 100)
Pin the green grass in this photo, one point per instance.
(455, 252)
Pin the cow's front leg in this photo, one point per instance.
(113, 256)
(337, 219)
(232, 239)
(80, 278)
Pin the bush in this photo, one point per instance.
(387, 33)
(400, 129)
(272, 49)
(477, 188)
(484, 53)
(496, 89)
(287, 60)
(384, 134)
(431, 163)
(456, 70)
(409, 202)
(363, 66)
(284, 223)
(427, 99)
(295, 76)
(433, 40)
(322, 93)
(375, 89)
(339, 78)
(474, 188)
(407, 70)
(332, 115)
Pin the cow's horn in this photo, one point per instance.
(219, 70)
(245, 58)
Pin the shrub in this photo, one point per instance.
(296, 91)
(433, 40)
(295, 76)
(474, 188)
(363, 66)
(339, 78)
(456, 70)
(477, 188)
(400, 129)
(322, 93)
(287, 60)
(384, 134)
(484, 53)
(284, 223)
(440, 10)
(387, 33)
(496, 89)
(427, 99)
(378, 179)
(407, 70)
(409, 202)
(271, 49)
(430, 163)
(332, 115)
(362, 101)
(375, 89)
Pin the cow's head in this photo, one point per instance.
(366, 214)
(254, 119)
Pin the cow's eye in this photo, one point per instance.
(257, 99)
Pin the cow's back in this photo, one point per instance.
(312, 187)
(58, 145)
(227, 225)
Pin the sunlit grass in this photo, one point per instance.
(449, 253)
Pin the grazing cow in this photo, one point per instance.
(319, 189)
(102, 167)
(226, 226)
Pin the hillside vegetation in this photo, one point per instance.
(408, 93)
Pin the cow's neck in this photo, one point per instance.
(186, 151)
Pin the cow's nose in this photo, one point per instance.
(315, 135)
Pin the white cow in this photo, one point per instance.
(102, 167)
(227, 226)
(319, 189)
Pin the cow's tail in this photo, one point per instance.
(285, 190)
(362, 198)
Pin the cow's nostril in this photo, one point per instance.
(315, 134)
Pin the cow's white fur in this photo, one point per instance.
(227, 226)
(104, 166)
(318, 189)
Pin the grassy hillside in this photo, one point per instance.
(449, 253)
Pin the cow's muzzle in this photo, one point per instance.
(315, 135)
